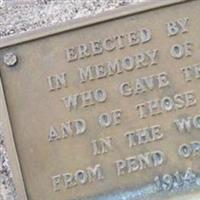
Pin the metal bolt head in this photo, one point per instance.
(10, 59)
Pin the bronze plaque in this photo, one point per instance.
(107, 107)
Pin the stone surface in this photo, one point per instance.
(7, 189)
(18, 16)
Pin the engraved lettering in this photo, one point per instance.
(167, 182)
(97, 48)
(166, 104)
(143, 84)
(80, 177)
(189, 150)
(107, 119)
(183, 124)
(135, 39)
(118, 66)
(186, 124)
(70, 128)
(191, 72)
(141, 110)
(143, 136)
(56, 180)
(140, 162)
(120, 41)
(108, 44)
(57, 81)
(85, 99)
(71, 54)
(100, 71)
(178, 26)
(86, 74)
(53, 134)
(101, 146)
(69, 180)
(180, 50)
(83, 51)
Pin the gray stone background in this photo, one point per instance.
(18, 16)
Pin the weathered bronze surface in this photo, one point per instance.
(106, 108)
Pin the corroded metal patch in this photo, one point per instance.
(106, 108)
